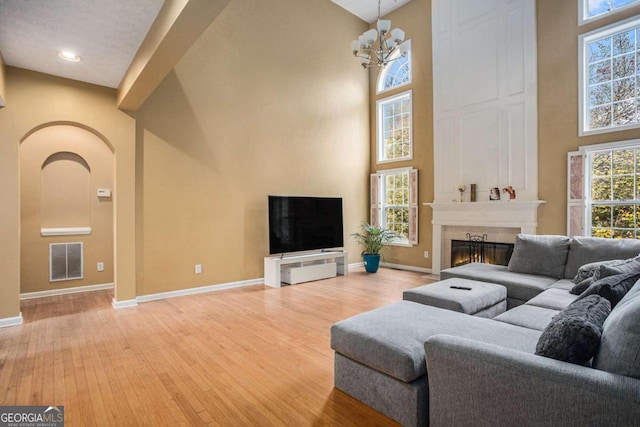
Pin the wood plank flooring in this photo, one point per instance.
(246, 356)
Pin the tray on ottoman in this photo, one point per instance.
(480, 299)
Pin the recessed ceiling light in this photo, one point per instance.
(69, 56)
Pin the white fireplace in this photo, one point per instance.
(500, 220)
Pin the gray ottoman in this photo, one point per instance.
(480, 299)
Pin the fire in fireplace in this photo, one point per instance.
(477, 249)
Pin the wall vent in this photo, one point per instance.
(65, 261)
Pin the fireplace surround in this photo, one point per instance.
(502, 221)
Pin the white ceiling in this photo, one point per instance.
(367, 10)
(106, 34)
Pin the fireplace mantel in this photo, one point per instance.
(520, 214)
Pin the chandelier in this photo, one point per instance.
(376, 47)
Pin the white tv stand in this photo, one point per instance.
(304, 267)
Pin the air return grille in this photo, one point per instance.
(65, 261)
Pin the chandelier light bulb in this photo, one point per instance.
(397, 35)
(370, 36)
(383, 26)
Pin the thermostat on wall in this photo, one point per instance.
(104, 192)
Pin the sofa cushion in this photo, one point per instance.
(574, 334)
(584, 250)
(390, 339)
(613, 288)
(619, 351)
(528, 316)
(545, 255)
(519, 286)
(553, 298)
(565, 284)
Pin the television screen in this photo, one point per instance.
(304, 223)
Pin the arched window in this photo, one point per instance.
(396, 73)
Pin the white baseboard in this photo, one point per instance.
(198, 290)
(11, 321)
(124, 304)
(396, 266)
(406, 267)
(64, 291)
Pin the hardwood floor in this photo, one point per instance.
(245, 356)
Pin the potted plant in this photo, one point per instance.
(373, 239)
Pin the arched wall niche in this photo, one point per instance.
(65, 196)
(62, 166)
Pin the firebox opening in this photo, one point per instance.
(477, 249)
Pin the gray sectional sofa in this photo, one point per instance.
(420, 364)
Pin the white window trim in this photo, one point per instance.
(380, 197)
(382, 73)
(379, 136)
(583, 11)
(583, 41)
(586, 151)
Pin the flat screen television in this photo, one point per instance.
(304, 223)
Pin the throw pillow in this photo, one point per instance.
(588, 270)
(619, 349)
(631, 265)
(582, 286)
(584, 250)
(574, 334)
(541, 255)
(613, 288)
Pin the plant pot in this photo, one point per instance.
(371, 262)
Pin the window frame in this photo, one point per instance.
(380, 103)
(583, 86)
(384, 71)
(380, 204)
(583, 11)
(587, 152)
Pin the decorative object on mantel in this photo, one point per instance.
(461, 189)
(373, 238)
(472, 192)
(510, 191)
(494, 193)
(375, 48)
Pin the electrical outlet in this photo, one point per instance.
(100, 266)
(426, 254)
(198, 269)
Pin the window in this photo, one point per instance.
(594, 9)
(394, 203)
(394, 128)
(612, 181)
(397, 72)
(609, 78)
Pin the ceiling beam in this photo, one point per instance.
(177, 27)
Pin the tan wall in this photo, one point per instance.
(558, 105)
(38, 99)
(415, 19)
(265, 102)
(64, 194)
